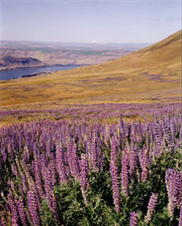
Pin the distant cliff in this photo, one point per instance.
(11, 62)
(59, 53)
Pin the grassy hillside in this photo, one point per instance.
(61, 53)
(162, 58)
(149, 75)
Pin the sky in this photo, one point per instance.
(89, 21)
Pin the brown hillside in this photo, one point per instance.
(163, 57)
(149, 75)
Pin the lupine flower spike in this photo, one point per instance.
(133, 219)
(151, 206)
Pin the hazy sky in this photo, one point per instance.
(110, 21)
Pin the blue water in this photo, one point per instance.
(17, 73)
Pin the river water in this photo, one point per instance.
(17, 73)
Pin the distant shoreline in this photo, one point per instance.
(45, 66)
(27, 72)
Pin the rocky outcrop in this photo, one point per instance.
(14, 62)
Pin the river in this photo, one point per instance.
(18, 73)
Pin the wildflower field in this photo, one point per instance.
(106, 165)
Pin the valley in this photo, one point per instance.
(149, 75)
(36, 54)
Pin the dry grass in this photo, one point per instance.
(150, 75)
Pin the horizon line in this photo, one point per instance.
(92, 43)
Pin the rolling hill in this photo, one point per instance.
(61, 53)
(150, 75)
(162, 57)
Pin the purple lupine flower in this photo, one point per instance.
(48, 187)
(140, 131)
(14, 222)
(33, 208)
(133, 219)
(55, 209)
(21, 189)
(94, 153)
(60, 164)
(144, 165)
(134, 135)
(158, 139)
(151, 206)
(125, 173)
(173, 128)
(178, 192)
(115, 175)
(34, 189)
(87, 148)
(21, 210)
(25, 185)
(180, 189)
(69, 155)
(180, 216)
(76, 168)
(68, 173)
(13, 207)
(53, 172)
(27, 172)
(44, 163)
(29, 216)
(84, 179)
(38, 179)
(4, 154)
(147, 141)
(14, 170)
(173, 185)
(25, 156)
(48, 146)
(2, 221)
(167, 135)
(122, 126)
(11, 152)
(132, 161)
